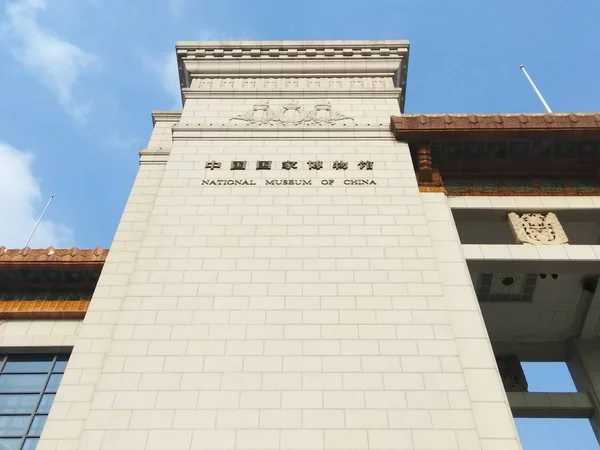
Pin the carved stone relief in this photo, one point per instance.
(296, 83)
(537, 228)
(291, 113)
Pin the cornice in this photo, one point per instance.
(445, 126)
(165, 116)
(291, 49)
(293, 94)
(158, 156)
(293, 58)
(50, 255)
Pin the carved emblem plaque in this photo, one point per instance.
(537, 228)
(291, 113)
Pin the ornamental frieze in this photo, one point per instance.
(304, 83)
(291, 113)
(537, 228)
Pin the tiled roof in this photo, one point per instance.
(427, 123)
(53, 255)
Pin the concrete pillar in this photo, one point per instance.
(584, 365)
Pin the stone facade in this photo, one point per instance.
(330, 310)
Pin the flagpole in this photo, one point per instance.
(539, 94)
(39, 220)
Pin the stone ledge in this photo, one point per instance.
(537, 258)
(193, 93)
(550, 405)
(291, 49)
(194, 132)
(165, 116)
(530, 204)
(158, 156)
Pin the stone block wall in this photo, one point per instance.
(251, 315)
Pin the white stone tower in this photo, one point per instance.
(277, 280)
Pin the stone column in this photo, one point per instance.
(475, 356)
(584, 365)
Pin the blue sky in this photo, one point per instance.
(79, 78)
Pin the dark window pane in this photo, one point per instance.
(22, 383)
(61, 363)
(30, 444)
(10, 444)
(46, 403)
(17, 403)
(54, 382)
(13, 425)
(38, 425)
(28, 363)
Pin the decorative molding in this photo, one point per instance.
(43, 310)
(519, 187)
(432, 189)
(425, 165)
(459, 126)
(302, 59)
(436, 183)
(165, 116)
(302, 132)
(52, 255)
(158, 156)
(345, 83)
(537, 228)
(291, 49)
(393, 93)
(291, 113)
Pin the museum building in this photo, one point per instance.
(302, 266)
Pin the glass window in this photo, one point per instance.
(46, 403)
(13, 425)
(30, 444)
(18, 403)
(54, 382)
(23, 364)
(61, 363)
(27, 387)
(37, 425)
(11, 444)
(22, 382)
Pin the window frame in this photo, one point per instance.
(53, 368)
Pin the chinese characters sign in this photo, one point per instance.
(290, 165)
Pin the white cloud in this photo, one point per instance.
(21, 204)
(57, 62)
(165, 67)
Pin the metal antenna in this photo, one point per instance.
(39, 220)
(539, 94)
